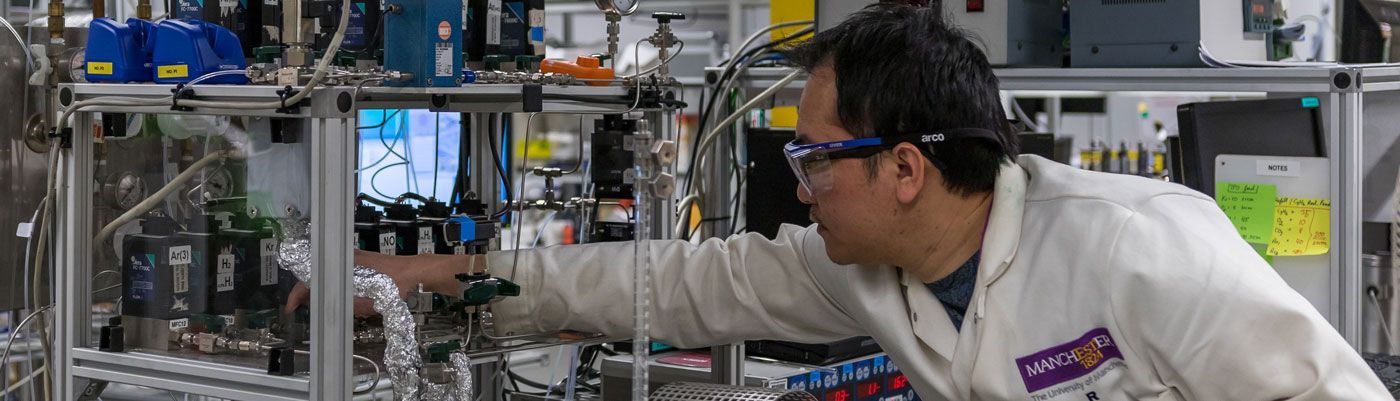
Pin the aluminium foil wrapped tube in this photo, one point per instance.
(401, 352)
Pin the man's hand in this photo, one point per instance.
(436, 273)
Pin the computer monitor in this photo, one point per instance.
(1364, 38)
(1042, 145)
(1273, 127)
(770, 188)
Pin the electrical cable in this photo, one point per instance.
(756, 35)
(5, 357)
(375, 176)
(389, 146)
(703, 145)
(384, 122)
(23, 381)
(1385, 326)
(410, 179)
(500, 170)
(367, 198)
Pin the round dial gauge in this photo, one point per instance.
(128, 190)
(620, 7)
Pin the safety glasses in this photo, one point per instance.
(812, 163)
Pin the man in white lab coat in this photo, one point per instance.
(982, 275)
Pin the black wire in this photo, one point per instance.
(382, 123)
(372, 177)
(381, 139)
(589, 99)
(729, 72)
(500, 169)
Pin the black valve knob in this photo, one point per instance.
(665, 17)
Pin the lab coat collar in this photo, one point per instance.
(930, 321)
(1003, 234)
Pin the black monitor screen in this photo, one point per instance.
(1273, 127)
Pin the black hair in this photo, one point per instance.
(904, 69)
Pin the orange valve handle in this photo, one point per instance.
(585, 68)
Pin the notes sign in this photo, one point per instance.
(1301, 227)
(1250, 208)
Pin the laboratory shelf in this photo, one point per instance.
(331, 136)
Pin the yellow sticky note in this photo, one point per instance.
(1250, 208)
(1301, 227)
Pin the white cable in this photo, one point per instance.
(27, 58)
(24, 381)
(683, 212)
(155, 199)
(1385, 326)
(709, 138)
(740, 50)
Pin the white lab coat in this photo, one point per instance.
(1091, 287)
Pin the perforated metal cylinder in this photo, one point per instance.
(719, 392)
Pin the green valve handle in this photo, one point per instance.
(481, 293)
(267, 54)
(527, 63)
(494, 61)
(439, 353)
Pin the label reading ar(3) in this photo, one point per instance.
(1278, 168)
(180, 255)
(172, 71)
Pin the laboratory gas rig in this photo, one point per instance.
(210, 158)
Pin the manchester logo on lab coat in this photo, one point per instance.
(1067, 361)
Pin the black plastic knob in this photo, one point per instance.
(665, 17)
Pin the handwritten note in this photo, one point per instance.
(1250, 208)
(1301, 227)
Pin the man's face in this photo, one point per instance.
(850, 215)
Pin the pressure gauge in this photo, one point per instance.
(219, 185)
(620, 7)
(126, 191)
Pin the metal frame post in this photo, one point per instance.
(332, 162)
(1345, 137)
(72, 255)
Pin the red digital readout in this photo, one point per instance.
(974, 6)
(897, 381)
(867, 388)
(839, 394)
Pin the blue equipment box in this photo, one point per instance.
(118, 52)
(426, 38)
(186, 50)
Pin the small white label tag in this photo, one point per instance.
(225, 264)
(443, 60)
(425, 248)
(493, 22)
(179, 324)
(180, 255)
(224, 282)
(228, 320)
(459, 250)
(269, 262)
(24, 230)
(386, 243)
(181, 277)
(1278, 168)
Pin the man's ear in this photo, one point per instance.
(910, 172)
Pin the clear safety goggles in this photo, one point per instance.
(812, 163)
